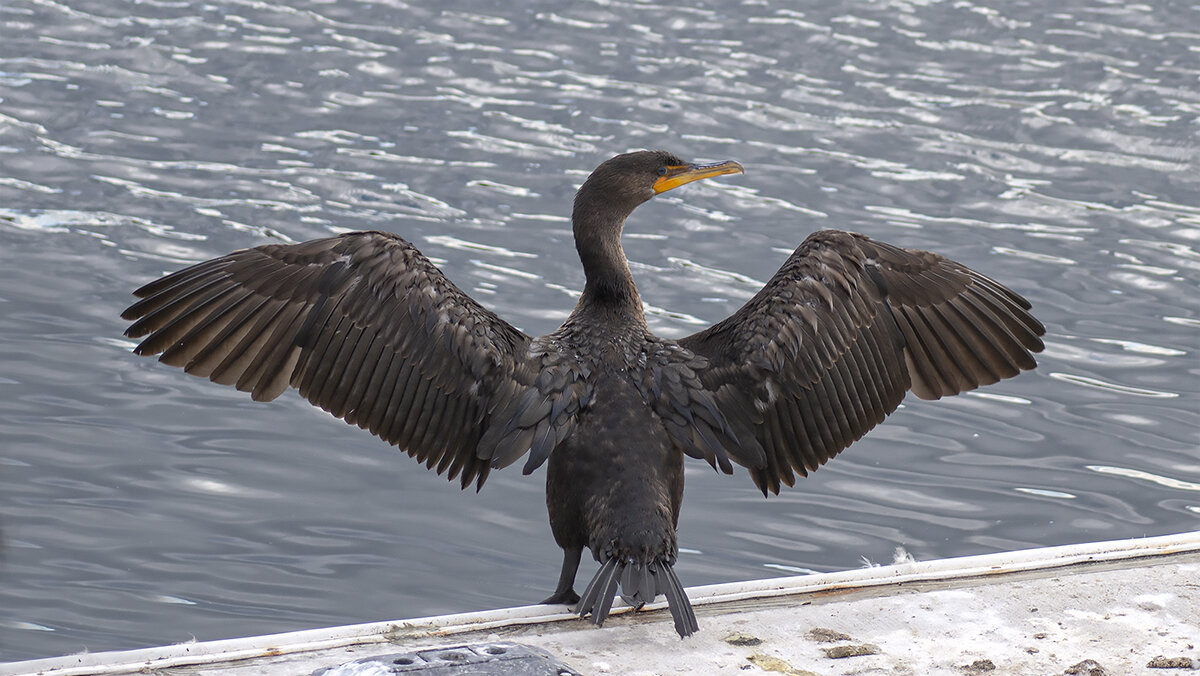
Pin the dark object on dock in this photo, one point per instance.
(494, 659)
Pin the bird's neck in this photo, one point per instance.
(609, 286)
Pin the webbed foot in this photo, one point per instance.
(566, 598)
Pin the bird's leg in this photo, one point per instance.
(565, 592)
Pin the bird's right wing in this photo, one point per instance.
(364, 326)
(828, 348)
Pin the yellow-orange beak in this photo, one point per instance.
(686, 173)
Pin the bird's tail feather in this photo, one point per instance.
(640, 583)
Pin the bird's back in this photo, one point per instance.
(615, 487)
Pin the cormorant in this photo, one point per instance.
(364, 326)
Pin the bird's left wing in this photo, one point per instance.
(829, 347)
(363, 325)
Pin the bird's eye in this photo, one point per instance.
(662, 171)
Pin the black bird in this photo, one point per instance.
(364, 326)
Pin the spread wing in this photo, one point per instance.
(829, 347)
(364, 326)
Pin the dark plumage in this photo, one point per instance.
(364, 326)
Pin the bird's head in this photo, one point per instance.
(622, 183)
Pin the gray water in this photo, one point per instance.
(1052, 149)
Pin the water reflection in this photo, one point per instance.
(1054, 151)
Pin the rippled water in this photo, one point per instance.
(1053, 150)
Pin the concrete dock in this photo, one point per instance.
(1123, 607)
